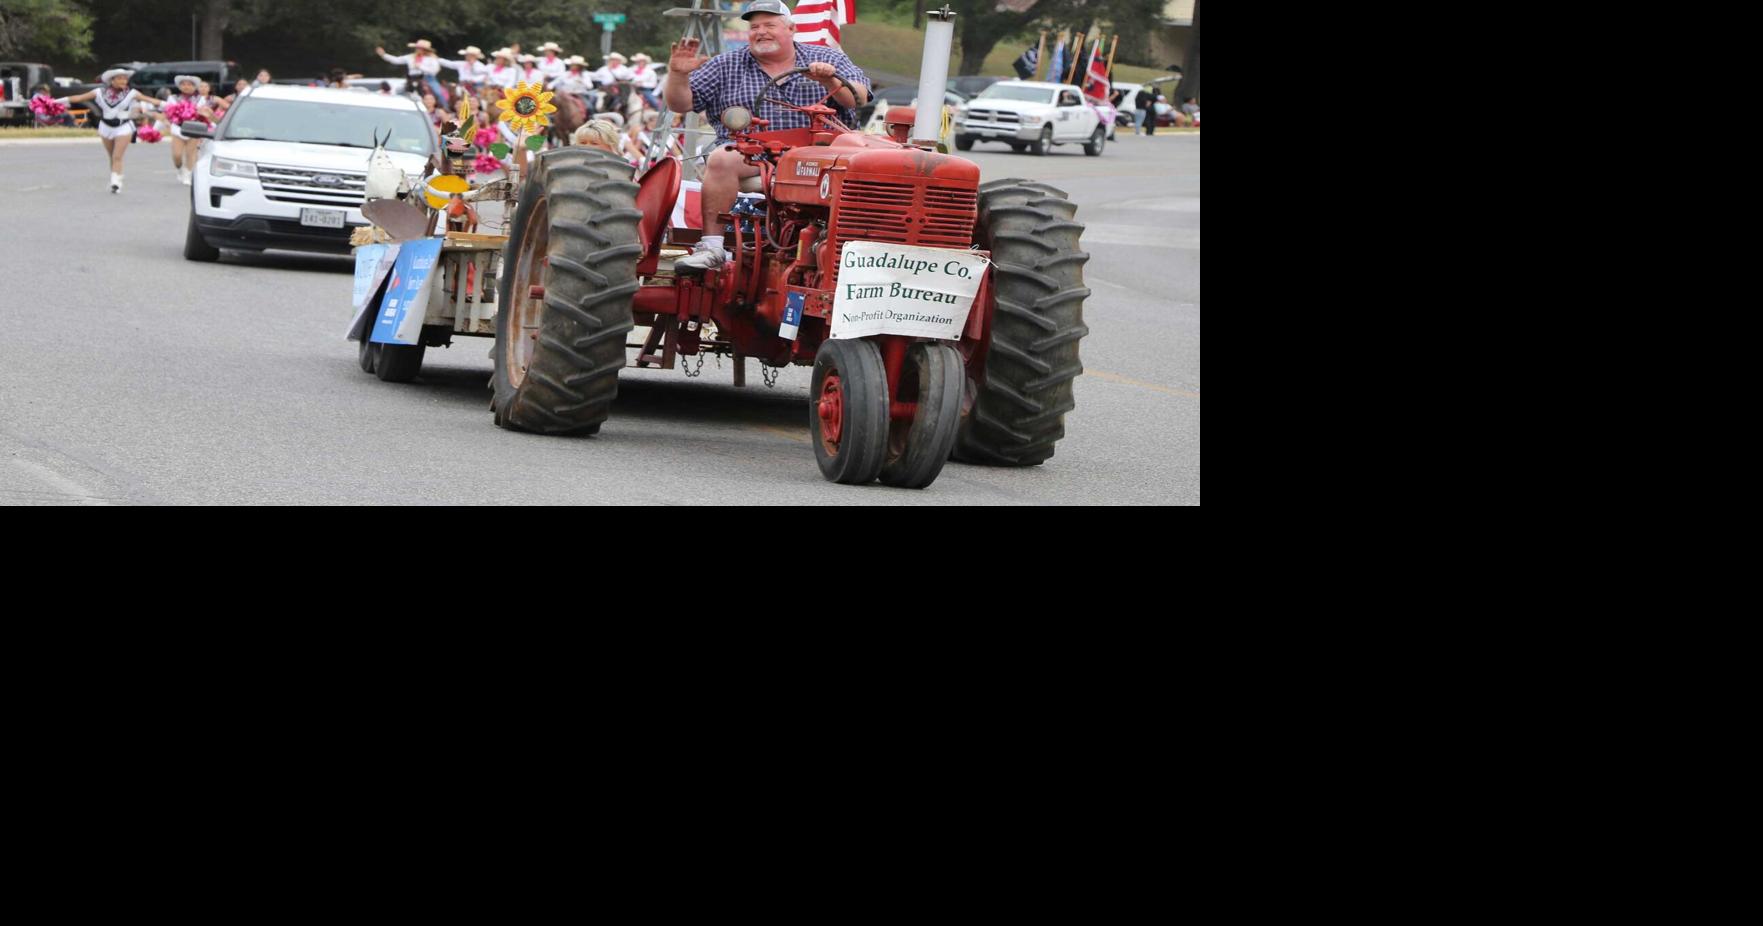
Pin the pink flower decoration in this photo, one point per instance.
(149, 134)
(484, 138)
(485, 164)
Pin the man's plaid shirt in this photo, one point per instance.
(734, 78)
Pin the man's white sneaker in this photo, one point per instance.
(700, 260)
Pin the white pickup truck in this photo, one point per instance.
(1030, 115)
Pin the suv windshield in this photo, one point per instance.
(1016, 92)
(317, 123)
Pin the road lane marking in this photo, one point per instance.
(63, 486)
(1129, 381)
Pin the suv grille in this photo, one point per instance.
(313, 187)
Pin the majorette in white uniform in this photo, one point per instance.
(116, 110)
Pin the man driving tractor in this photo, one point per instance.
(735, 78)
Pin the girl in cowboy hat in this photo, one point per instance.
(191, 104)
(553, 64)
(529, 71)
(643, 78)
(114, 106)
(424, 67)
(472, 70)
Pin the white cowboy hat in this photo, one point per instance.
(577, 61)
(639, 56)
(527, 58)
(551, 46)
(611, 55)
(423, 44)
(113, 73)
(503, 53)
(186, 77)
(472, 50)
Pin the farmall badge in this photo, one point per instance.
(807, 168)
(826, 185)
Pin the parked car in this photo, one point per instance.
(17, 80)
(287, 168)
(1165, 112)
(153, 77)
(1030, 116)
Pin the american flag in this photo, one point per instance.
(818, 21)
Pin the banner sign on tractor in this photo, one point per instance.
(906, 290)
(407, 293)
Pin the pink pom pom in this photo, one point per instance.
(484, 138)
(178, 112)
(47, 107)
(485, 164)
(149, 134)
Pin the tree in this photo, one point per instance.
(45, 29)
(982, 24)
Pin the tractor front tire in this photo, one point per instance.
(1018, 405)
(917, 449)
(848, 411)
(574, 235)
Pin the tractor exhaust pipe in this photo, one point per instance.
(933, 74)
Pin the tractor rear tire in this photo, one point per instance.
(1018, 406)
(917, 449)
(848, 411)
(563, 378)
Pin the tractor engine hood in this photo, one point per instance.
(814, 175)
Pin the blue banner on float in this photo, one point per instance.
(407, 293)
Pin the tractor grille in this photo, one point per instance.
(906, 213)
(313, 187)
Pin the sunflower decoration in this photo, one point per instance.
(527, 107)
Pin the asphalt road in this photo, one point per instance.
(130, 376)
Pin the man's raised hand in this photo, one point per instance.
(684, 59)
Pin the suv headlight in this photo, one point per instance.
(223, 167)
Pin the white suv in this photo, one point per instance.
(287, 168)
(1030, 115)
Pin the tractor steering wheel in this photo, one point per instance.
(779, 80)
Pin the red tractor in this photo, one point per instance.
(588, 259)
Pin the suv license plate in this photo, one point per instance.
(321, 218)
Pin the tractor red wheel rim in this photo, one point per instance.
(526, 313)
(831, 409)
